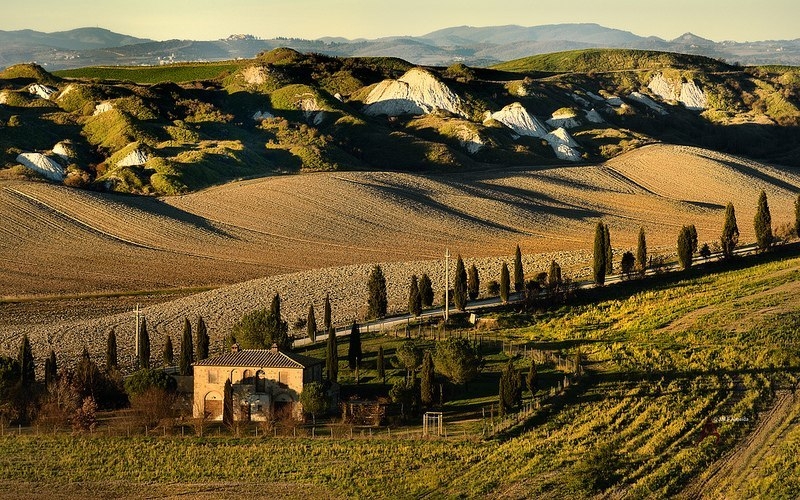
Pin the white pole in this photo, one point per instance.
(446, 284)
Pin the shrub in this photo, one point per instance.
(457, 360)
(145, 379)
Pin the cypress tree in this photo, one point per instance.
(275, 307)
(111, 350)
(311, 324)
(332, 357)
(510, 391)
(730, 232)
(168, 355)
(685, 247)
(414, 298)
(763, 223)
(641, 253)
(50, 369)
(187, 349)
(227, 403)
(377, 301)
(473, 283)
(427, 382)
(27, 367)
(426, 291)
(326, 313)
(519, 275)
(600, 254)
(144, 345)
(693, 237)
(354, 349)
(505, 283)
(203, 340)
(460, 285)
(609, 250)
(532, 379)
(380, 365)
(554, 276)
(797, 216)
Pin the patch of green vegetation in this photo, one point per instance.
(176, 73)
(115, 129)
(80, 98)
(28, 72)
(605, 60)
(24, 99)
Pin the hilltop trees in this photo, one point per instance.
(685, 247)
(473, 283)
(763, 223)
(505, 283)
(460, 285)
(262, 328)
(111, 350)
(354, 348)
(519, 274)
(311, 324)
(599, 267)
(332, 357)
(202, 340)
(426, 291)
(187, 350)
(641, 253)
(377, 301)
(730, 232)
(414, 298)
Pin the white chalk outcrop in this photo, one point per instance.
(313, 113)
(255, 75)
(42, 91)
(103, 107)
(4, 97)
(564, 118)
(563, 145)
(688, 93)
(262, 115)
(134, 158)
(43, 165)
(418, 92)
(517, 118)
(643, 99)
(64, 151)
(469, 139)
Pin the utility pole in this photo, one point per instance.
(446, 284)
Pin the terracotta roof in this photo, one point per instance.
(265, 358)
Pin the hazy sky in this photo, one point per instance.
(741, 20)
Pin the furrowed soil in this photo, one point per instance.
(74, 261)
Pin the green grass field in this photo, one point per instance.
(176, 73)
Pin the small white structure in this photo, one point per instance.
(432, 423)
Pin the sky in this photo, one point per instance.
(739, 20)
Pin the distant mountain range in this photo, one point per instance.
(473, 46)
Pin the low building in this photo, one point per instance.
(264, 383)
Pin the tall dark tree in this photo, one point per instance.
(332, 357)
(50, 369)
(426, 290)
(168, 356)
(380, 367)
(414, 297)
(143, 356)
(609, 250)
(473, 283)
(554, 276)
(187, 349)
(460, 285)
(27, 368)
(532, 379)
(275, 306)
(203, 341)
(111, 350)
(377, 301)
(311, 324)
(600, 254)
(519, 274)
(505, 283)
(354, 353)
(227, 403)
(627, 264)
(510, 388)
(763, 223)
(641, 253)
(427, 380)
(685, 247)
(693, 237)
(730, 232)
(797, 216)
(326, 313)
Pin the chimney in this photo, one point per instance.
(274, 348)
(235, 348)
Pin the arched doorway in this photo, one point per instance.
(212, 406)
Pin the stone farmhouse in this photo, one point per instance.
(264, 383)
